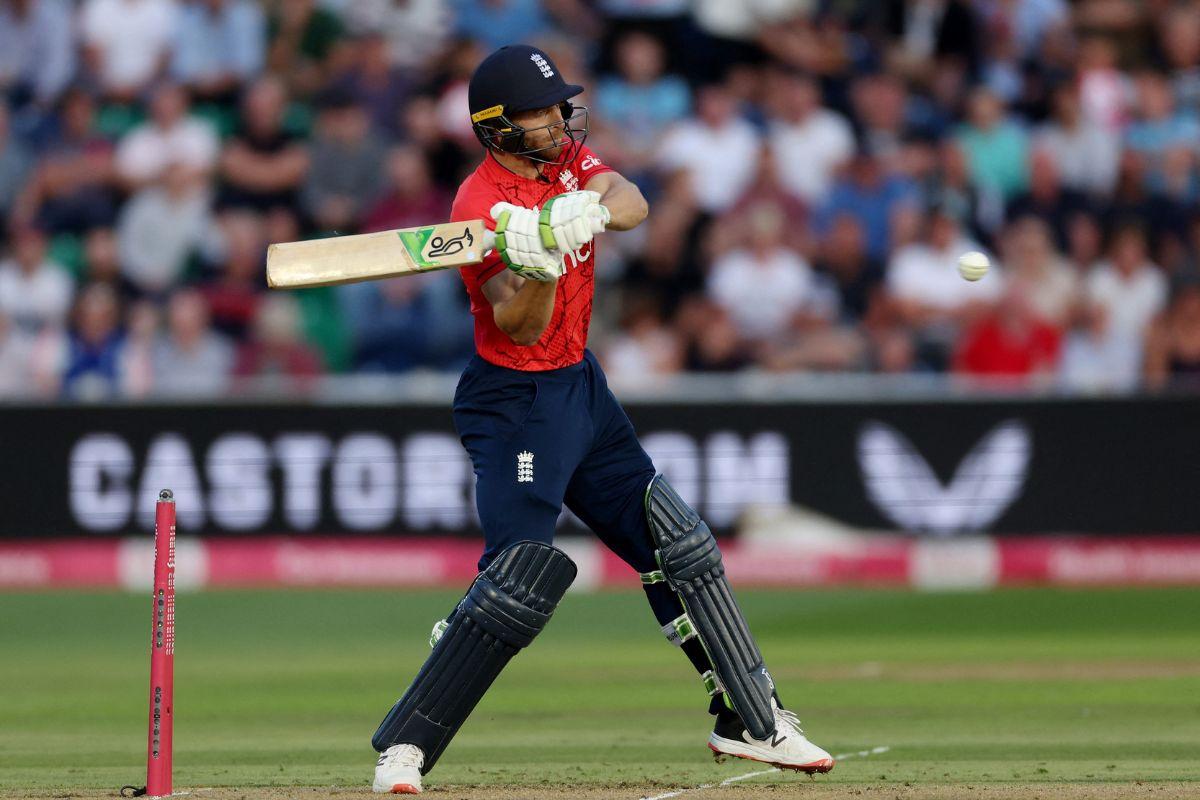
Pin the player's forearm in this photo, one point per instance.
(625, 202)
(525, 315)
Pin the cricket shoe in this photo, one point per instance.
(787, 748)
(398, 770)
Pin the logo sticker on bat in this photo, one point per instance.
(440, 248)
(417, 240)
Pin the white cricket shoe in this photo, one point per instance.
(787, 748)
(398, 770)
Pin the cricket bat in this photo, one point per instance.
(371, 256)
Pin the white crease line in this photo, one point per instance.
(874, 751)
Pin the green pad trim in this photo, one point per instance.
(679, 630)
(711, 684)
(656, 576)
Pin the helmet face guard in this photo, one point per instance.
(496, 131)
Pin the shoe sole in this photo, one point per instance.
(821, 766)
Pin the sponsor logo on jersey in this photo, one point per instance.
(589, 162)
(577, 257)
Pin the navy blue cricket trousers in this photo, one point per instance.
(541, 439)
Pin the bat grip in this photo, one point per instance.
(489, 241)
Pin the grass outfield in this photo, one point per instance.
(1018, 693)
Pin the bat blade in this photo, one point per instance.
(372, 256)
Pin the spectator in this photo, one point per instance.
(263, 166)
(344, 172)
(982, 212)
(1085, 242)
(37, 52)
(127, 43)
(1001, 71)
(1103, 89)
(1179, 34)
(645, 347)
(845, 261)
(1085, 153)
(1032, 20)
(191, 359)
(35, 292)
(731, 30)
(673, 268)
(808, 143)
(16, 362)
(1163, 138)
(170, 138)
(929, 296)
(1012, 341)
(415, 32)
(880, 104)
(218, 47)
(1050, 287)
(1098, 358)
(1129, 290)
(495, 23)
(713, 343)
(275, 351)
(235, 290)
(72, 187)
(302, 37)
(160, 227)
(1047, 199)
(411, 198)
(996, 148)
(375, 83)
(94, 346)
(16, 162)
(762, 286)
(640, 102)
(718, 150)
(457, 67)
(405, 323)
(923, 35)
(448, 158)
(136, 366)
(1133, 200)
(102, 264)
(871, 196)
(1173, 346)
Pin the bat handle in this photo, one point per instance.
(489, 241)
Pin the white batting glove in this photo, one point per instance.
(519, 244)
(569, 221)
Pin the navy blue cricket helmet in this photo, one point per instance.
(519, 78)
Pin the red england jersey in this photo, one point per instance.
(565, 337)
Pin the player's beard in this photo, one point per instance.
(561, 144)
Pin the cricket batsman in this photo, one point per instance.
(534, 412)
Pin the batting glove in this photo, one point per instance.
(569, 221)
(520, 245)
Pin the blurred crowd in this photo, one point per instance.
(814, 170)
